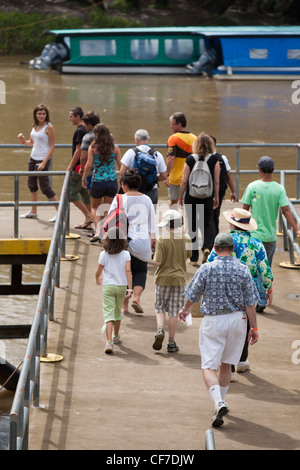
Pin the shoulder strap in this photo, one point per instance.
(219, 155)
(151, 151)
(201, 158)
(119, 201)
(43, 128)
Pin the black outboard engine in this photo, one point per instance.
(207, 63)
(9, 375)
(53, 54)
(209, 60)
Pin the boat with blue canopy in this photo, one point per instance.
(220, 51)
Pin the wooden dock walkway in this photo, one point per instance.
(140, 399)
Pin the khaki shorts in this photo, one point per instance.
(169, 299)
(221, 339)
(173, 192)
(77, 192)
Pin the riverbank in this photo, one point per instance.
(23, 23)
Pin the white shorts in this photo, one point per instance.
(221, 339)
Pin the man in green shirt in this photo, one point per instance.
(265, 196)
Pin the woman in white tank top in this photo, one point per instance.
(42, 141)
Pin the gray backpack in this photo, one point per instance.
(200, 180)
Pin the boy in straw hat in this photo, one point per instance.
(249, 251)
(173, 248)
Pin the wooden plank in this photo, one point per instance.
(14, 331)
(24, 246)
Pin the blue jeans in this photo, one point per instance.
(270, 249)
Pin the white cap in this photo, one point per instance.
(171, 214)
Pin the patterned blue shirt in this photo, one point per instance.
(226, 286)
(250, 251)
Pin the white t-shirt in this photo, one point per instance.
(114, 267)
(227, 166)
(142, 221)
(128, 159)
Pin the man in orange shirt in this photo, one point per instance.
(179, 147)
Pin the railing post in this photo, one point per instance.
(298, 176)
(13, 432)
(237, 169)
(280, 223)
(290, 239)
(209, 440)
(16, 208)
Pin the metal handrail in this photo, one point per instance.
(28, 388)
(237, 146)
(290, 238)
(17, 203)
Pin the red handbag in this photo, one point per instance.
(117, 218)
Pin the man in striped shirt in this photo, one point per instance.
(180, 146)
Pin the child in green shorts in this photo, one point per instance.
(115, 268)
(172, 249)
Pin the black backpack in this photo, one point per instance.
(223, 174)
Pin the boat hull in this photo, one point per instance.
(123, 69)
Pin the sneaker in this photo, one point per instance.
(159, 337)
(53, 219)
(116, 339)
(108, 347)
(172, 347)
(28, 215)
(221, 410)
(260, 308)
(243, 366)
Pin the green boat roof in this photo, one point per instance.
(99, 31)
(213, 31)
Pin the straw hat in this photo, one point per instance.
(241, 218)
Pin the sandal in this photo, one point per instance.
(136, 307)
(85, 226)
(94, 239)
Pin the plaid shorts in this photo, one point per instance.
(169, 299)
